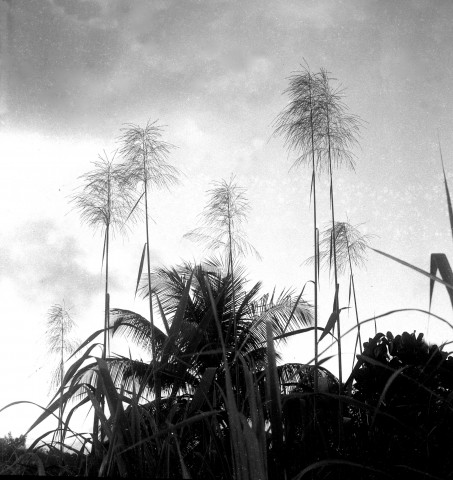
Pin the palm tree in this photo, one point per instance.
(145, 157)
(185, 354)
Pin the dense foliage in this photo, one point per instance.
(209, 397)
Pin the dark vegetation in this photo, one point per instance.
(210, 398)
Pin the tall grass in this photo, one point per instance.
(215, 403)
(222, 228)
(300, 124)
(59, 327)
(351, 247)
(145, 158)
(104, 200)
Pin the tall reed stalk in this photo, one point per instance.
(59, 327)
(339, 131)
(351, 247)
(145, 157)
(221, 228)
(104, 200)
(300, 124)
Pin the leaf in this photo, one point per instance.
(296, 304)
(87, 341)
(54, 406)
(75, 366)
(170, 343)
(273, 391)
(301, 330)
(384, 392)
(419, 270)
(134, 207)
(450, 210)
(100, 413)
(334, 316)
(201, 394)
(346, 463)
(110, 391)
(439, 262)
(162, 314)
(140, 269)
(104, 248)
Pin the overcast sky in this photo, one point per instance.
(213, 72)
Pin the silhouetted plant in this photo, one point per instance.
(59, 327)
(145, 157)
(222, 228)
(105, 200)
(351, 249)
(301, 125)
(339, 132)
(408, 385)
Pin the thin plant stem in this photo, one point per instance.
(150, 296)
(145, 160)
(59, 325)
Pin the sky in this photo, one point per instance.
(213, 73)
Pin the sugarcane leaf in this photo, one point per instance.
(140, 268)
(440, 263)
(202, 391)
(104, 248)
(334, 316)
(162, 314)
(51, 408)
(449, 285)
(75, 366)
(450, 209)
(273, 392)
(134, 207)
(298, 331)
(170, 343)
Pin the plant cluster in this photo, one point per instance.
(210, 397)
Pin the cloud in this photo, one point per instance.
(91, 65)
(84, 10)
(44, 263)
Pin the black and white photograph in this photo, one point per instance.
(226, 241)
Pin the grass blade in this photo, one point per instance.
(439, 262)
(419, 270)
(140, 269)
(450, 209)
(273, 391)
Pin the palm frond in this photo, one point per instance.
(136, 328)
